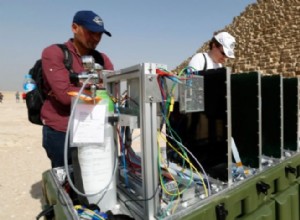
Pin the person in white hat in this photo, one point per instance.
(221, 47)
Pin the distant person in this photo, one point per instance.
(221, 47)
(24, 97)
(1, 97)
(88, 29)
(17, 97)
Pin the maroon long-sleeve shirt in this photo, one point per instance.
(56, 109)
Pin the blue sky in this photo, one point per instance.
(158, 31)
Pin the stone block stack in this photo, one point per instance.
(268, 38)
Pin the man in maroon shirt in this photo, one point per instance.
(88, 29)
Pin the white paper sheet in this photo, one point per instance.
(89, 122)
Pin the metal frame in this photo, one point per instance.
(148, 96)
(298, 122)
(281, 119)
(229, 126)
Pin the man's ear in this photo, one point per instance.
(75, 28)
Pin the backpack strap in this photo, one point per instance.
(67, 56)
(205, 62)
(68, 61)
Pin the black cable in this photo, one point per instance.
(143, 200)
(137, 200)
(48, 213)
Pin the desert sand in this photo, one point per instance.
(22, 162)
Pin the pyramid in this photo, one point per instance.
(268, 39)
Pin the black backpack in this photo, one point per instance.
(36, 97)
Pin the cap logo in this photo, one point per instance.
(98, 21)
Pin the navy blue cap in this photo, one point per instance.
(90, 21)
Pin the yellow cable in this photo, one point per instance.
(167, 192)
(162, 183)
(88, 211)
(160, 177)
(200, 176)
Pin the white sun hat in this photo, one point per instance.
(228, 43)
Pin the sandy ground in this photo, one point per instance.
(22, 162)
